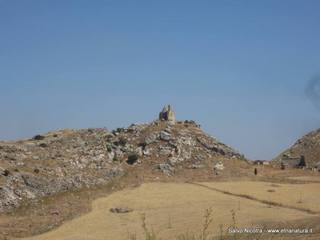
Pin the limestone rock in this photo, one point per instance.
(165, 136)
(72, 159)
(308, 146)
(121, 210)
(166, 169)
(219, 166)
(151, 139)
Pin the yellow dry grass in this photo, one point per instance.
(171, 209)
(307, 178)
(305, 196)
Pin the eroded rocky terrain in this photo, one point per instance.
(66, 160)
(307, 146)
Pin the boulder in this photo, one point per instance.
(151, 139)
(219, 166)
(139, 151)
(166, 169)
(165, 136)
(147, 151)
(121, 210)
(165, 150)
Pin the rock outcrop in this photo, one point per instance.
(306, 148)
(71, 159)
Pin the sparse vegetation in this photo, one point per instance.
(169, 222)
(123, 141)
(168, 208)
(109, 147)
(142, 144)
(300, 198)
(132, 158)
(38, 137)
(132, 236)
(164, 219)
(203, 235)
(149, 234)
(271, 190)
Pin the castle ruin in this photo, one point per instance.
(167, 114)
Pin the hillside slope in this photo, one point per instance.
(307, 146)
(68, 159)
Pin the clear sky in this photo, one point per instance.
(239, 68)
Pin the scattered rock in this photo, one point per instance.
(191, 122)
(166, 169)
(173, 160)
(147, 152)
(139, 151)
(73, 159)
(151, 138)
(4, 172)
(304, 153)
(121, 142)
(165, 136)
(43, 145)
(165, 150)
(219, 166)
(55, 212)
(121, 210)
(196, 166)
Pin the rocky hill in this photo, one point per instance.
(68, 159)
(307, 146)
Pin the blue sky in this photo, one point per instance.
(239, 68)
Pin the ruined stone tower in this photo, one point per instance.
(167, 114)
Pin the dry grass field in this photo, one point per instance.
(306, 178)
(301, 196)
(175, 208)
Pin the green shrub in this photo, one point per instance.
(109, 147)
(132, 158)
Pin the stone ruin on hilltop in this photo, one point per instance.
(167, 114)
(68, 160)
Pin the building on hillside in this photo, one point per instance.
(261, 162)
(257, 162)
(292, 162)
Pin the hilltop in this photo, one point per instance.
(70, 159)
(167, 170)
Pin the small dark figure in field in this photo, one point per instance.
(255, 171)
